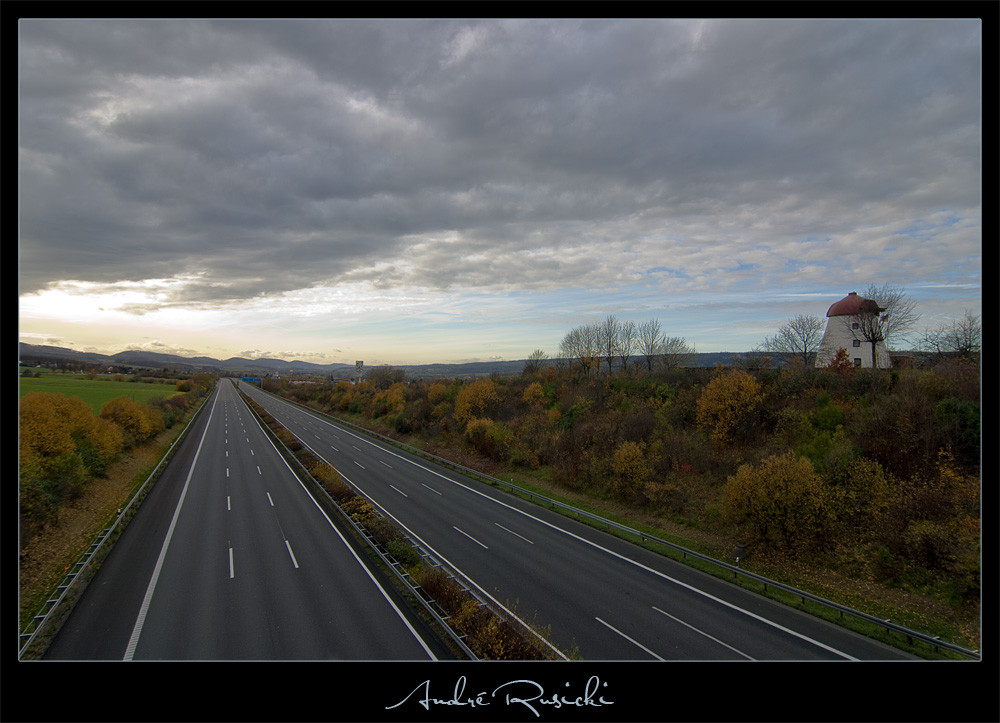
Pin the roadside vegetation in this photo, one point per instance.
(63, 445)
(860, 485)
(77, 467)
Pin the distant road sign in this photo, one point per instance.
(249, 379)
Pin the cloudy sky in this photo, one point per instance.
(412, 191)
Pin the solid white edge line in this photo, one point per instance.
(350, 549)
(147, 598)
(604, 549)
(437, 554)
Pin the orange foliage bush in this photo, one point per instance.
(728, 406)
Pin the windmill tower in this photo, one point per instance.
(845, 321)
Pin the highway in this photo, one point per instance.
(596, 597)
(231, 558)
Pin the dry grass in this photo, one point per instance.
(46, 557)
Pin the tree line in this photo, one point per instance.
(63, 445)
(879, 469)
(614, 342)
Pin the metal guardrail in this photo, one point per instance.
(76, 570)
(911, 635)
(467, 585)
(402, 575)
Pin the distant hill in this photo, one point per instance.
(34, 354)
(156, 360)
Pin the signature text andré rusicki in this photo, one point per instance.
(528, 693)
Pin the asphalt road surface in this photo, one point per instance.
(231, 558)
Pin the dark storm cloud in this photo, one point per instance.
(265, 156)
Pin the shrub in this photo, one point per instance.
(360, 509)
(476, 400)
(663, 496)
(630, 469)
(332, 482)
(779, 502)
(490, 439)
(404, 553)
(858, 493)
(728, 407)
(138, 422)
(959, 422)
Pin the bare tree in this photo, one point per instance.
(569, 347)
(753, 360)
(609, 330)
(900, 311)
(887, 314)
(627, 338)
(384, 376)
(649, 333)
(590, 338)
(963, 337)
(582, 345)
(799, 337)
(533, 364)
(674, 351)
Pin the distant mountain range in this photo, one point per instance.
(35, 354)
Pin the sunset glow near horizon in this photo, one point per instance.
(409, 191)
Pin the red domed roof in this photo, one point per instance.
(853, 304)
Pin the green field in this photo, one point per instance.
(97, 391)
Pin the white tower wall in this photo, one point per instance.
(839, 335)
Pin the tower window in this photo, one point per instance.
(857, 343)
(857, 362)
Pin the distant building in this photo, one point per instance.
(842, 332)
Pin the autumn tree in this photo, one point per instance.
(476, 400)
(778, 502)
(841, 364)
(630, 470)
(857, 492)
(61, 445)
(728, 407)
(389, 402)
(138, 422)
(490, 439)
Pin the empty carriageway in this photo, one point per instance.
(248, 566)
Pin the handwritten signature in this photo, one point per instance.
(515, 692)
